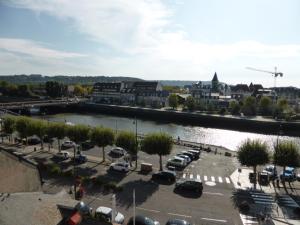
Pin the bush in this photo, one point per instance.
(244, 206)
(68, 173)
(99, 181)
(111, 185)
(118, 189)
(55, 170)
(228, 154)
(86, 180)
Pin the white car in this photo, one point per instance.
(62, 155)
(118, 151)
(105, 213)
(176, 162)
(188, 159)
(120, 166)
(68, 144)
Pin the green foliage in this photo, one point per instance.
(253, 153)
(249, 106)
(55, 129)
(173, 89)
(79, 90)
(190, 103)
(127, 140)
(173, 101)
(78, 133)
(102, 137)
(222, 111)
(157, 143)
(265, 106)
(55, 89)
(286, 153)
(54, 169)
(38, 127)
(8, 125)
(23, 126)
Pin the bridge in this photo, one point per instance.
(40, 103)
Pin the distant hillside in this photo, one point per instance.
(179, 83)
(37, 78)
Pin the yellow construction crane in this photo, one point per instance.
(275, 73)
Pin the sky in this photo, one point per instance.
(153, 39)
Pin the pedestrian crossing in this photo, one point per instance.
(217, 179)
(248, 220)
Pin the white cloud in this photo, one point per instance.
(33, 49)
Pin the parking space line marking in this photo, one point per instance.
(213, 179)
(220, 180)
(227, 180)
(205, 178)
(198, 177)
(175, 214)
(209, 219)
(184, 175)
(212, 193)
(191, 176)
(150, 210)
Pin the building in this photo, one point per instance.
(109, 93)
(144, 93)
(240, 91)
(291, 94)
(210, 91)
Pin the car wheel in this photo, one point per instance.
(123, 170)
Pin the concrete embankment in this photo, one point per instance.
(194, 119)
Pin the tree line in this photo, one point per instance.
(153, 143)
(249, 106)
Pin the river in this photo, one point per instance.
(220, 137)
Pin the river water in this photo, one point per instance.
(220, 137)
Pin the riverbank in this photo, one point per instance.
(262, 126)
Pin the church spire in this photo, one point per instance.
(215, 78)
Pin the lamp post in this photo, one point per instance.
(136, 140)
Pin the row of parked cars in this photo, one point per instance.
(182, 159)
(105, 214)
(288, 175)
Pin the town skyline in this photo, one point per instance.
(153, 40)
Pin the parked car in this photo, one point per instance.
(105, 214)
(289, 174)
(185, 161)
(83, 208)
(63, 155)
(166, 175)
(189, 184)
(142, 220)
(33, 140)
(177, 222)
(271, 171)
(195, 153)
(120, 166)
(118, 151)
(298, 177)
(68, 144)
(188, 159)
(176, 162)
(80, 158)
(192, 157)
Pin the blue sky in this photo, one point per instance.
(158, 39)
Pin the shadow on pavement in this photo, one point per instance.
(188, 194)
(239, 196)
(143, 191)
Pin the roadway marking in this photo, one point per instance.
(212, 193)
(220, 180)
(175, 214)
(212, 178)
(191, 176)
(150, 210)
(205, 178)
(198, 177)
(227, 180)
(183, 176)
(92, 197)
(209, 219)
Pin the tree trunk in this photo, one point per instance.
(103, 154)
(254, 171)
(136, 161)
(283, 177)
(160, 163)
(59, 147)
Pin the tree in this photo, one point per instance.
(253, 153)
(56, 130)
(286, 153)
(190, 103)
(23, 127)
(157, 144)
(79, 90)
(127, 140)
(39, 128)
(265, 106)
(55, 89)
(78, 133)
(102, 137)
(173, 101)
(249, 106)
(8, 125)
(281, 106)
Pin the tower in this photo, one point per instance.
(215, 83)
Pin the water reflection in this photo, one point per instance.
(227, 138)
